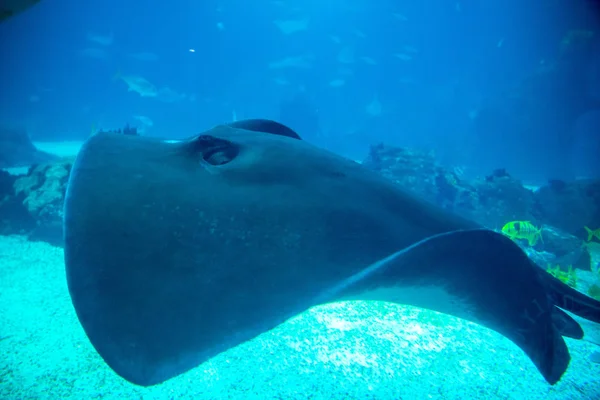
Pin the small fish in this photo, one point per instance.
(147, 122)
(287, 27)
(569, 276)
(459, 171)
(374, 108)
(410, 49)
(400, 17)
(337, 83)
(138, 84)
(304, 61)
(592, 233)
(281, 81)
(103, 40)
(360, 34)
(93, 129)
(523, 230)
(403, 56)
(593, 249)
(346, 55)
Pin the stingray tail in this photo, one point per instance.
(569, 299)
(496, 285)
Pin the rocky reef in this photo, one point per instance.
(492, 201)
(561, 209)
(33, 203)
(569, 206)
(14, 218)
(42, 193)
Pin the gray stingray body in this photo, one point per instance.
(176, 251)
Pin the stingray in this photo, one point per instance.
(176, 251)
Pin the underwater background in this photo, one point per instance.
(490, 109)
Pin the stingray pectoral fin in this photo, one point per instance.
(266, 126)
(477, 275)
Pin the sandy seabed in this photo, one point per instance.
(352, 350)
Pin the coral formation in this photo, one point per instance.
(499, 198)
(569, 205)
(126, 130)
(14, 217)
(40, 195)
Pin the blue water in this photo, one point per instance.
(407, 73)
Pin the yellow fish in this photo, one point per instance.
(592, 233)
(523, 230)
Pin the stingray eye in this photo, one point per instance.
(220, 156)
(216, 151)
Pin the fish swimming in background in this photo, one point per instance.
(103, 40)
(93, 129)
(403, 56)
(217, 238)
(592, 233)
(145, 123)
(8, 8)
(288, 27)
(523, 230)
(138, 84)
